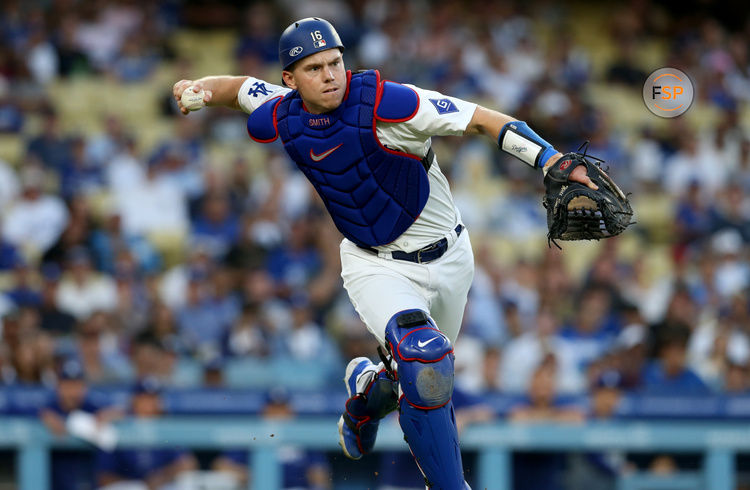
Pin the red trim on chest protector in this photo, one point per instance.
(273, 117)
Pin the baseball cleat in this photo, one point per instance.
(357, 429)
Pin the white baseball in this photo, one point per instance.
(192, 100)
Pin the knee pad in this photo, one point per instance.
(424, 356)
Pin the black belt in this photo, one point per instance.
(427, 159)
(429, 253)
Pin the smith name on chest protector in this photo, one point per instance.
(373, 193)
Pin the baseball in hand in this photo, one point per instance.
(192, 100)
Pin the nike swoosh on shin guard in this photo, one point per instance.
(422, 344)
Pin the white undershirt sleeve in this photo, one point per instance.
(439, 115)
(255, 92)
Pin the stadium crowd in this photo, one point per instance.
(153, 263)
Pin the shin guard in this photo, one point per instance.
(425, 372)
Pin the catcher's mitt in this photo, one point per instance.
(576, 212)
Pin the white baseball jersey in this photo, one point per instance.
(437, 115)
(380, 287)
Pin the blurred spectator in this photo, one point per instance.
(669, 373)
(146, 356)
(213, 373)
(32, 359)
(99, 352)
(111, 245)
(72, 58)
(300, 468)
(156, 205)
(217, 227)
(181, 158)
(630, 351)
(202, 321)
(295, 263)
(135, 61)
(624, 69)
(79, 175)
(249, 335)
(53, 319)
(541, 470)
(50, 148)
(732, 275)
(102, 148)
(737, 379)
(524, 355)
(733, 211)
(12, 116)
(124, 170)
(9, 256)
(76, 234)
(693, 217)
(36, 220)
(9, 185)
(258, 37)
(592, 331)
(693, 164)
(24, 291)
(143, 468)
(599, 471)
(542, 404)
(72, 470)
(306, 340)
(719, 343)
(82, 290)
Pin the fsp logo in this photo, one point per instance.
(668, 92)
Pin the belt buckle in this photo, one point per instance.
(428, 248)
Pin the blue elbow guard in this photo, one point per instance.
(519, 140)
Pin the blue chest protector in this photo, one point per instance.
(373, 193)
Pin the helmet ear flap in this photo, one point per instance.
(306, 37)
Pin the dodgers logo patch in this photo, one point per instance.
(444, 106)
(258, 88)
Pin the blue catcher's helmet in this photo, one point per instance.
(306, 37)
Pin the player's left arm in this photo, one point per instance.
(518, 139)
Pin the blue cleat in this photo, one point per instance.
(372, 395)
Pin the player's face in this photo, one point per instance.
(320, 80)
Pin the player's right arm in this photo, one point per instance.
(241, 93)
(219, 90)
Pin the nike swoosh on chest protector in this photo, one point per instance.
(317, 158)
(422, 344)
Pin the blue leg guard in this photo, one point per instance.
(372, 395)
(425, 371)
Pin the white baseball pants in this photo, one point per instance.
(381, 287)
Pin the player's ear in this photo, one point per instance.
(288, 78)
